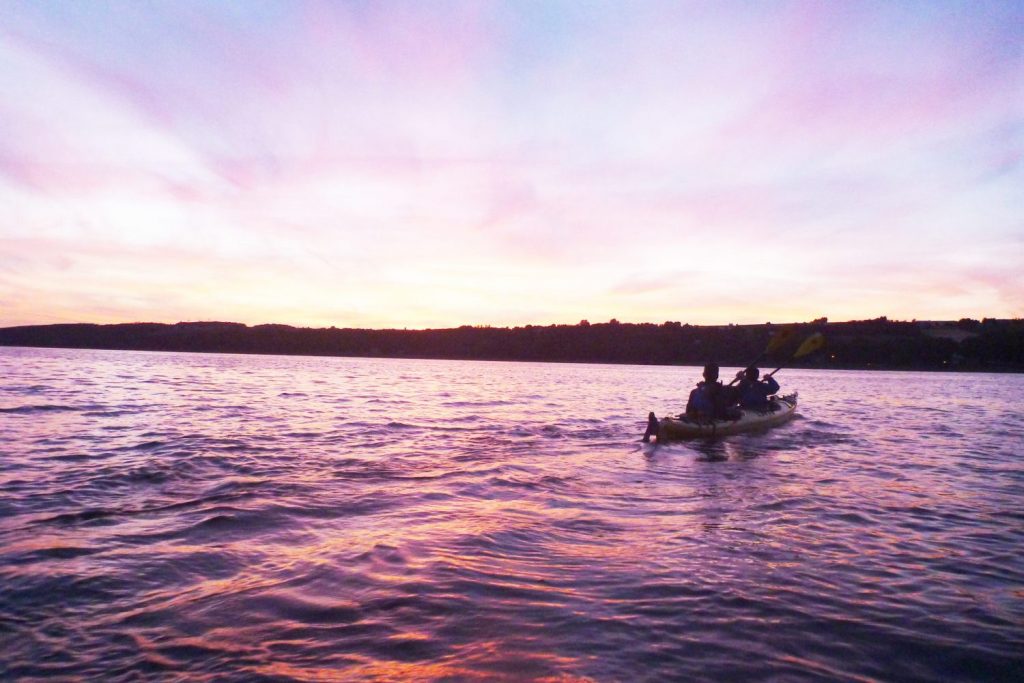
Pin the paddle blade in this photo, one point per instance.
(810, 345)
(779, 339)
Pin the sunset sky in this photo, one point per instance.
(433, 164)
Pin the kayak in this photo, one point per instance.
(782, 410)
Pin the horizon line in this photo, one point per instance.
(613, 321)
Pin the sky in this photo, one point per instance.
(434, 164)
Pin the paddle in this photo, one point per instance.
(775, 342)
(810, 345)
(652, 427)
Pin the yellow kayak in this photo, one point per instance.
(781, 410)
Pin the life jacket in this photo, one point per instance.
(712, 400)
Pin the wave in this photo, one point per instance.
(32, 389)
(114, 412)
(45, 408)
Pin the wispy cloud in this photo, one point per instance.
(396, 164)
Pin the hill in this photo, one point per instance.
(879, 343)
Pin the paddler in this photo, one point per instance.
(711, 400)
(754, 392)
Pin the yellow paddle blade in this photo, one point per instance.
(779, 339)
(810, 345)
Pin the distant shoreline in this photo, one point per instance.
(880, 344)
(788, 366)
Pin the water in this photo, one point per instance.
(222, 517)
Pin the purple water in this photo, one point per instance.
(223, 517)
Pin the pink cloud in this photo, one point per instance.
(488, 155)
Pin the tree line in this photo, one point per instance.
(879, 343)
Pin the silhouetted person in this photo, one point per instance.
(754, 392)
(710, 400)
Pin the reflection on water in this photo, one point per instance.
(246, 518)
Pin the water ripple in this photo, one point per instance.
(210, 518)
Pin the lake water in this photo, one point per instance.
(225, 517)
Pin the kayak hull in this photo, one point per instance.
(670, 428)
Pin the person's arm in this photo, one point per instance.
(773, 386)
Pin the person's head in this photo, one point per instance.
(752, 373)
(711, 372)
